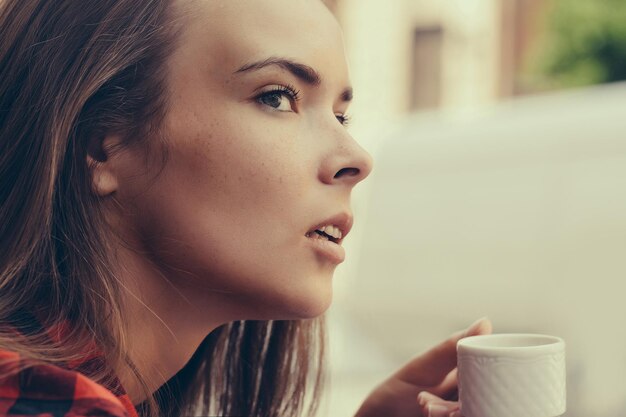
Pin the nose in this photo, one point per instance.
(348, 163)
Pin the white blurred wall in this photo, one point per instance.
(379, 38)
(519, 214)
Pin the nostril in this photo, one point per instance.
(347, 171)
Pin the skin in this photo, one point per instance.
(218, 234)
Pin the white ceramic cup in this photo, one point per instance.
(512, 375)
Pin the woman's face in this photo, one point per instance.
(258, 159)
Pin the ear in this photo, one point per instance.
(100, 158)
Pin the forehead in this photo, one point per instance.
(222, 35)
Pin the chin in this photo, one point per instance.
(302, 306)
(313, 310)
(314, 301)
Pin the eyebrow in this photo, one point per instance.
(301, 71)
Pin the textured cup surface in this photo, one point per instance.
(512, 375)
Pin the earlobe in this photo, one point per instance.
(104, 176)
(103, 182)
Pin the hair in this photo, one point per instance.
(72, 71)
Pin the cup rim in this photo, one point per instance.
(510, 344)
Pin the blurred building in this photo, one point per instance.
(512, 210)
(408, 55)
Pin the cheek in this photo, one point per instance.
(227, 214)
(228, 198)
(251, 159)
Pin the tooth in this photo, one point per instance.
(331, 230)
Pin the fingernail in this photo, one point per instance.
(455, 414)
(476, 324)
(424, 397)
(437, 410)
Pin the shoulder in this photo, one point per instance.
(41, 389)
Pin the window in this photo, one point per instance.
(426, 73)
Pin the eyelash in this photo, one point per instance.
(294, 95)
(285, 90)
(344, 119)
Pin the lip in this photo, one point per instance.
(342, 220)
(334, 252)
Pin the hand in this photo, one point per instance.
(432, 375)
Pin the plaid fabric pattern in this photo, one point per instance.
(46, 390)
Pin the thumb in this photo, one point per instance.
(432, 367)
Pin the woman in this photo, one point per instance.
(175, 187)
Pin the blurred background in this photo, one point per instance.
(498, 130)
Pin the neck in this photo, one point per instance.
(166, 328)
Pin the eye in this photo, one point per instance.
(344, 119)
(280, 98)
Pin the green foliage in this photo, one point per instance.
(585, 43)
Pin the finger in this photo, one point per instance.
(448, 387)
(480, 327)
(431, 368)
(433, 406)
(439, 410)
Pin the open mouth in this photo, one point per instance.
(318, 234)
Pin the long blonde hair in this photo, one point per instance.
(75, 70)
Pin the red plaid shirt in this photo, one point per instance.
(46, 390)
